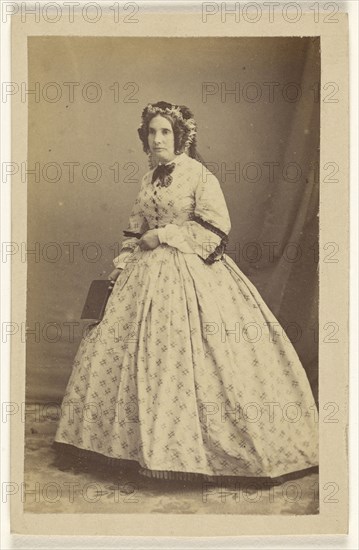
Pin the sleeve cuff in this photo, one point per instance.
(118, 262)
(162, 235)
(123, 259)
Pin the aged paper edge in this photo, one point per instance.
(333, 365)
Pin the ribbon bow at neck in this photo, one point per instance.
(162, 172)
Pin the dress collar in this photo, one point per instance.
(178, 158)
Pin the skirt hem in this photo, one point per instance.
(83, 458)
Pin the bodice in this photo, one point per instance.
(162, 205)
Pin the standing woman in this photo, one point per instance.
(185, 376)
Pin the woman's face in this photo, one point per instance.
(161, 139)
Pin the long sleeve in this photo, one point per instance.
(206, 233)
(137, 225)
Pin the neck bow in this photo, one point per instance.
(163, 173)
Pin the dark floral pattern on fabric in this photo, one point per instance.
(189, 371)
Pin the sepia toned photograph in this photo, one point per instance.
(174, 241)
(194, 389)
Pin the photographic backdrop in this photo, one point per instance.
(257, 107)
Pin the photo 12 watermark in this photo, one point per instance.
(213, 381)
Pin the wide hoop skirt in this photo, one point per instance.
(189, 372)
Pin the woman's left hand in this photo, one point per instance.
(149, 240)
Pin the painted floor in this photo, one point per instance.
(50, 490)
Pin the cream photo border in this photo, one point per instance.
(334, 284)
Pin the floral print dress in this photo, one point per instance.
(187, 373)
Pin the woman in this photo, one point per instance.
(185, 376)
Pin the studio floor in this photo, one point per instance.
(50, 490)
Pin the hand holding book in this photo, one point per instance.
(114, 274)
(98, 296)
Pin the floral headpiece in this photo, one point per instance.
(176, 112)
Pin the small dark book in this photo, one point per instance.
(97, 298)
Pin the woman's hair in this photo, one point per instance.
(183, 125)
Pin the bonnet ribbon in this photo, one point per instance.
(162, 172)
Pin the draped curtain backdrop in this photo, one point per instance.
(258, 112)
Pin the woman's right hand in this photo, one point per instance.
(114, 274)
